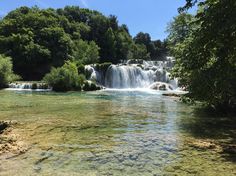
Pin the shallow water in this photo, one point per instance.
(113, 133)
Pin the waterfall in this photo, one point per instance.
(93, 74)
(136, 74)
(128, 77)
(29, 86)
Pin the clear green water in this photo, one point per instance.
(113, 133)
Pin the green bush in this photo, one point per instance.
(65, 78)
(6, 73)
(90, 86)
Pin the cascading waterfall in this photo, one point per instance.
(28, 86)
(136, 74)
(128, 77)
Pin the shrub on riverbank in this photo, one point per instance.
(65, 78)
(6, 73)
(90, 86)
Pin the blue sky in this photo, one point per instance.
(149, 16)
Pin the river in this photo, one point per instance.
(114, 133)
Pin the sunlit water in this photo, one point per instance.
(112, 133)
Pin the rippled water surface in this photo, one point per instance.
(113, 133)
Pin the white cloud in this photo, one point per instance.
(84, 3)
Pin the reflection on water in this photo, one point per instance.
(111, 133)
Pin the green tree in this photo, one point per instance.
(180, 28)
(6, 73)
(156, 50)
(124, 44)
(113, 22)
(139, 51)
(86, 52)
(206, 58)
(110, 46)
(35, 41)
(161, 50)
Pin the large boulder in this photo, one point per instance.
(161, 86)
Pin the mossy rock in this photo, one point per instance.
(87, 74)
(141, 66)
(135, 61)
(34, 86)
(103, 66)
(162, 87)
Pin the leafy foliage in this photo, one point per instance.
(86, 52)
(140, 52)
(6, 73)
(206, 57)
(155, 50)
(179, 29)
(35, 41)
(38, 39)
(65, 78)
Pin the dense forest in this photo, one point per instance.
(39, 39)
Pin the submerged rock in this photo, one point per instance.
(231, 149)
(10, 144)
(3, 126)
(205, 144)
(162, 87)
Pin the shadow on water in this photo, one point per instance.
(205, 124)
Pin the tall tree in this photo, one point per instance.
(206, 58)
(179, 28)
(156, 50)
(35, 41)
(110, 46)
